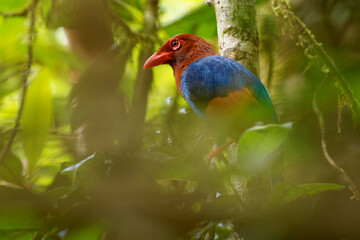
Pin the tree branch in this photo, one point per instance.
(21, 13)
(352, 187)
(30, 38)
(144, 77)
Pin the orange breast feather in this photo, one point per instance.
(235, 112)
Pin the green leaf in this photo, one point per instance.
(11, 5)
(18, 235)
(11, 170)
(126, 11)
(13, 44)
(74, 169)
(259, 2)
(258, 146)
(19, 216)
(89, 171)
(90, 232)
(200, 22)
(284, 192)
(59, 192)
(179, 168)
(36, 118)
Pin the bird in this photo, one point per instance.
(221, 91)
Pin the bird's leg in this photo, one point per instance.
(218, 150)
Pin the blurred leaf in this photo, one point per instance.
(59, 192)
(200, 22)
(91, 232)
(258, 146)
(36, 118)
(126, 11)
(17, 216)
(18, 235)
(49, 54)
(75, 168)
(49, 163)
(11, 5)
(11, 169)
(223, 232)
(261, 1)
(154, 156)
(9, 82)
(12, 47)
(284, 192)
(90, 171)
(171, 10)
(179, 168)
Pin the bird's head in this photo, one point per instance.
(180, 51)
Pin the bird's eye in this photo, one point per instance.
(175, 44)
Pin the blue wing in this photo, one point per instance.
(216, 77)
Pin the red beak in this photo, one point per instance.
(157, 59)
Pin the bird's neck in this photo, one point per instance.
(181, 64)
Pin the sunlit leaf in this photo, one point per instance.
(173, 10)
(36, 118)
(200, 22)
(13, 44)
(259, 145)
(284, 192)
(11, 5)
(49, 164)
(126, 11)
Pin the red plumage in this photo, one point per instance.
(192, 48)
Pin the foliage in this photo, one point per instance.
(94, 147)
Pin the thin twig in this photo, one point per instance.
(219, 149)
(330, 160)
(21, 13)
(30, 37)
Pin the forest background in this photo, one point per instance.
(94, 147)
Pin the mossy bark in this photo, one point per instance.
(237, 32)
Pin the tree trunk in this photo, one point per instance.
(239, 40)
(237, 32)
